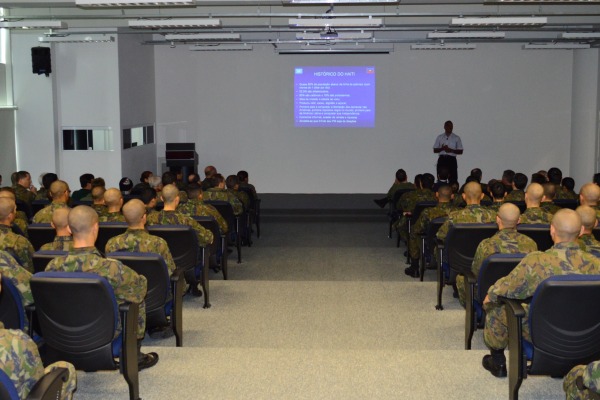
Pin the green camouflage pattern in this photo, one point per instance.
(564, 193)
(589, 243)
(22, 225)
(536, 215)
(251, 187)
(563, 258)
(44, 216)
(224, 195)
(242, 197)
(111, 217)
(100, 209)
(459, 202)
(549, 207)
(590, 375)
(19, 276)
(505, 241)
(17, 246)
(399, 186)
(408, 201)
(419, 228)
(495, 206)
(23, 194)
(20, 360)
(198, 208)
(60, 243)
(126, 283)
(473, 213)
(515, 195)
(205, 237)
(42, 194)
(139, 240)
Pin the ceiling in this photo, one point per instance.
(267, 22)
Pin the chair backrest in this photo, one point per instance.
(226, 210)
(493, 268)
(38, 205)
(8, 391)
(108, 230)
(396, 197)
(596, 233)
(566, 203)
(25, 207)
(248, 191)
(564, 321)
(419, 207)
(540, 233)
(462, 241)
(79, 316)
(519, 203)
(16, 229)
(183, 244)
(433, 227)
(40, 234)
(41, 258)
(12, 313)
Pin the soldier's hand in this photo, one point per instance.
(486, 300)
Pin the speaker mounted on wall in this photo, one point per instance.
(40, 60)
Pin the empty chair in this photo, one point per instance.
(41, 258)
(79, 317)
(165, 293)
(540, 233)
(233, 221)
(564, 331)
(220, 241)
(40, 234)
(108, 230)
(48, 387)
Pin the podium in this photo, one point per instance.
(182, 157)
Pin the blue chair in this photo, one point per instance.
(79, 317)
(108, 230)
(12, 313)
(564, 322)
(41, 258)
(49, 387)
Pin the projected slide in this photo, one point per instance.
(337, 97)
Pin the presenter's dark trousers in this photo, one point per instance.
(450, 163)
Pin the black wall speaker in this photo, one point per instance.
(40, 60)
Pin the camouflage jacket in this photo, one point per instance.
(139, 240)
(589, 243)
(242, 197)
(515, 195)
(17, 246)
(42, 194)
(550, 207)
(23, 194)
(408, 201)
(561, 259)
(495, 206)
(199, 208)
(536, 215)
(591, 376)
(205, 237)
(473, 213)
(19, 276)
(563, 193)
(505, 241)
(399, 186)
(22, 225)
(61, 243)
(100, 209)
(111, 217)
(44, 216)
(224, 195)
(429, 214)
(251, 187)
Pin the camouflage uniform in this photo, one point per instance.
(591, 380)
(407, 203)
(549, 207)
(515, 195)
(111, 217)
(495, 206)
(473, 213)
(563, 258)
(61, 243)
(536, 215)
(23, 194)
(195, 208)
(44, 216)
(459, 202)
(205, 237)
(42, 194)
(224, 195)
(251, 187)
(505, 241)
(563, 193)
(399, 186)
(20, 360)
(18, 247)
(100, 209)
(19, 276)
(588, 242)
(242, 197)
(22, 225)
(139, 240)
(126, 283)
(428, 214)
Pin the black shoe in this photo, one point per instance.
(381, 202)
(412, 272)
(498, 370)
(161, 332)
(147, 360)
(194, 290)
(405, 254)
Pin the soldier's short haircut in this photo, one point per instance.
(538, 178)
(22, 175)
(418, 179)
(243, 176)
(169, 178)
(82, 219)
(520, 181)
(497, 190)
(193, 190)
(590, 193)
(58, 188)
(169, 193)
(231, 181)
(85, 179)
(509, 214)
(145, 175)
(98, 193)
(13, 178)
(133, 211)
(588, 216)
(48, 179)
(508, 175)
(400, 175)
(195, 178)
(549, 190)
(476, 172)
(60, 217)
(7, 206)
(96, 182)
(112, 197)
(569, 183)
(555, 175)
(154, 181)
(8, 192)
(534, 193)
(471, 178)
(472, 190)
(444, 192)
(443, 173)
(147, 195)
(219, 178)
(427, 181)
(567, 224)
(210, 171)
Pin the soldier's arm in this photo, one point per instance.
(26, 254)
(205, 237)
(128, 285)
(520, 283)
(480, 255)
(163, 250)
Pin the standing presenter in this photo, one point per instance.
(448, 146)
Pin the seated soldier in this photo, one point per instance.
(568, 184)
(536, 177)
(444, 206)
(197, 207)
(18, 276)
(506, 241)
(20, 360)
(534, 214)
(519, 184)
(583, 382)
(498, 193)
(507, 179)
(98, 203)
(172, 178)
(555, 177)
(24, 190)
(400, 183)
(589, 195)
(63, 241)
(144, 178)
(586, 240)
(565, 257)
(96, 182)
(443, 176)
(46, 181)
(59, 192)
(21, 219)
(148, 197)
(408, 201)
(113, 199)
(243, 179)
(18, 246)
(218, 192)
(85, 181)
(127, 284)
(548, 198)
(233, 186)
(459, 202)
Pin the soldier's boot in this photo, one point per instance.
(495, 362)
(145, 360)
(381, 202)
(413, 270)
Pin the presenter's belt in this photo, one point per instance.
(446, 156)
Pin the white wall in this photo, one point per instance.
(511, 107)
(8, 161)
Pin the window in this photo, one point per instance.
(86, 139)
(138, 136)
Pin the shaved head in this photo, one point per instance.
(57, 189)
(473, 192)
(113, 197)
(169, 193)
(60, 217)
(7, 194)
(509, 215)
(588, 217)
(566, 226)
(98, 193)
(7, 206)
(82, 220)
(134, 211)
(444, 193)
(589, 194)
(534, 194)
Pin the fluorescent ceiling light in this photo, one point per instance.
(335, 22)
(334, 36)
(203, 36)
(358, 49)
(530, 2)
(340, 1)
(76, 39)
(33, 24)
(555, 46)
(443, 46)
(505, 21)
(466, 35)
(134, 3)
(221, 47)
(175, 23)
(580, 35)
